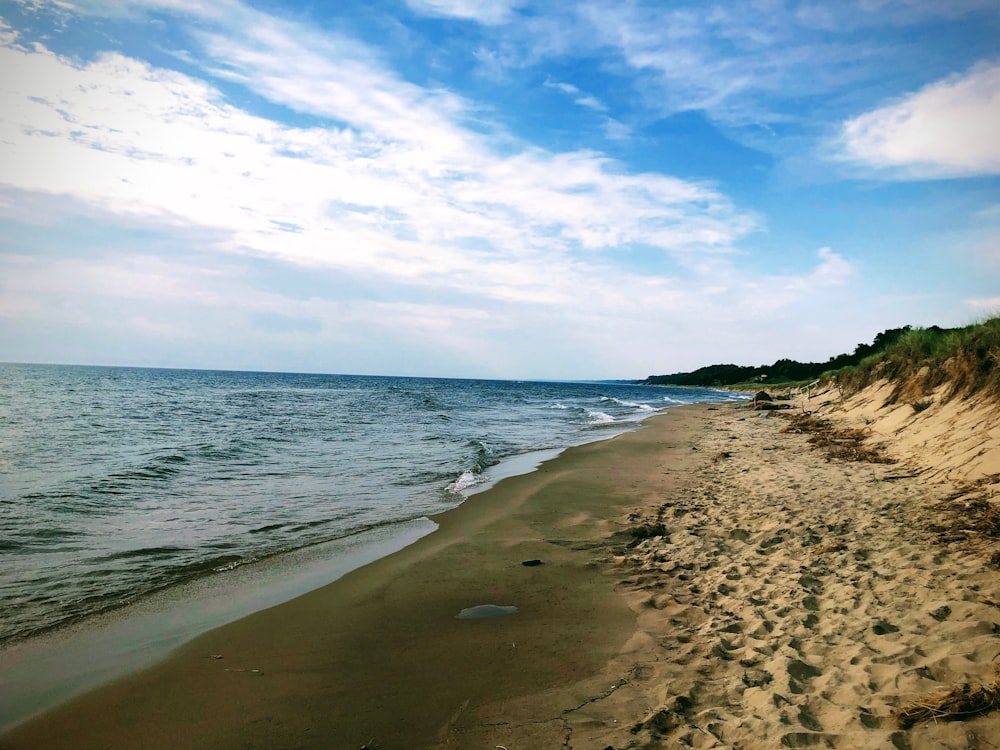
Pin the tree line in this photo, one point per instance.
(781, 371)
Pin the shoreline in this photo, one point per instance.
(43, 671)
(383, 641)
(708, 580)
(186, 476)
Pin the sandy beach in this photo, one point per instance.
(711, 580)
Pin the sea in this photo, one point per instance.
(117, 483)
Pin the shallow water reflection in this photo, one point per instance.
(485, 610)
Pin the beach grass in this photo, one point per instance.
(966, 359)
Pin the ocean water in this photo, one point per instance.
(118, 482)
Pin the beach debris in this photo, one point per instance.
(843, 444)
(956, 704)
(215, 656)
(764, 401)
(531, 563)
(370, 745)
(970, 517)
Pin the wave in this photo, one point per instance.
(269, 527)
(143, 552)
(600, 417)
(313, 524)
(628, 404)
(159, 467)
(618, 401)
(234, 564)
(483, 457)
(466, 480)
(56, 533)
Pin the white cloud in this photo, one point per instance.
(188, 304)
(488, 12)
(734, 61)
(399, 185)
(833, 268)
(744, 63)
(400, 189)
(34, 6)
(566, 88)
(615, 130)
(584, 100)
(950, 128)
(985, 304)
(591, 102)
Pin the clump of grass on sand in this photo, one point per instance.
(843, 444)
(959, 703)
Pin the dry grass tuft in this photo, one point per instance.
(971, 517)
(846, 444)
(962, 702)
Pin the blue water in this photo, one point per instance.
(116, 482)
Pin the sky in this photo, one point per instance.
(492, 188)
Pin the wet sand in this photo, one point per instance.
(707, 581)
(380, 655)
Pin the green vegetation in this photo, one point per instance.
(966, 358)
(917, 360)
(782, 372)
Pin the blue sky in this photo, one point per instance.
(509, 189)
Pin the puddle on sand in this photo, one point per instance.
(485, 610)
